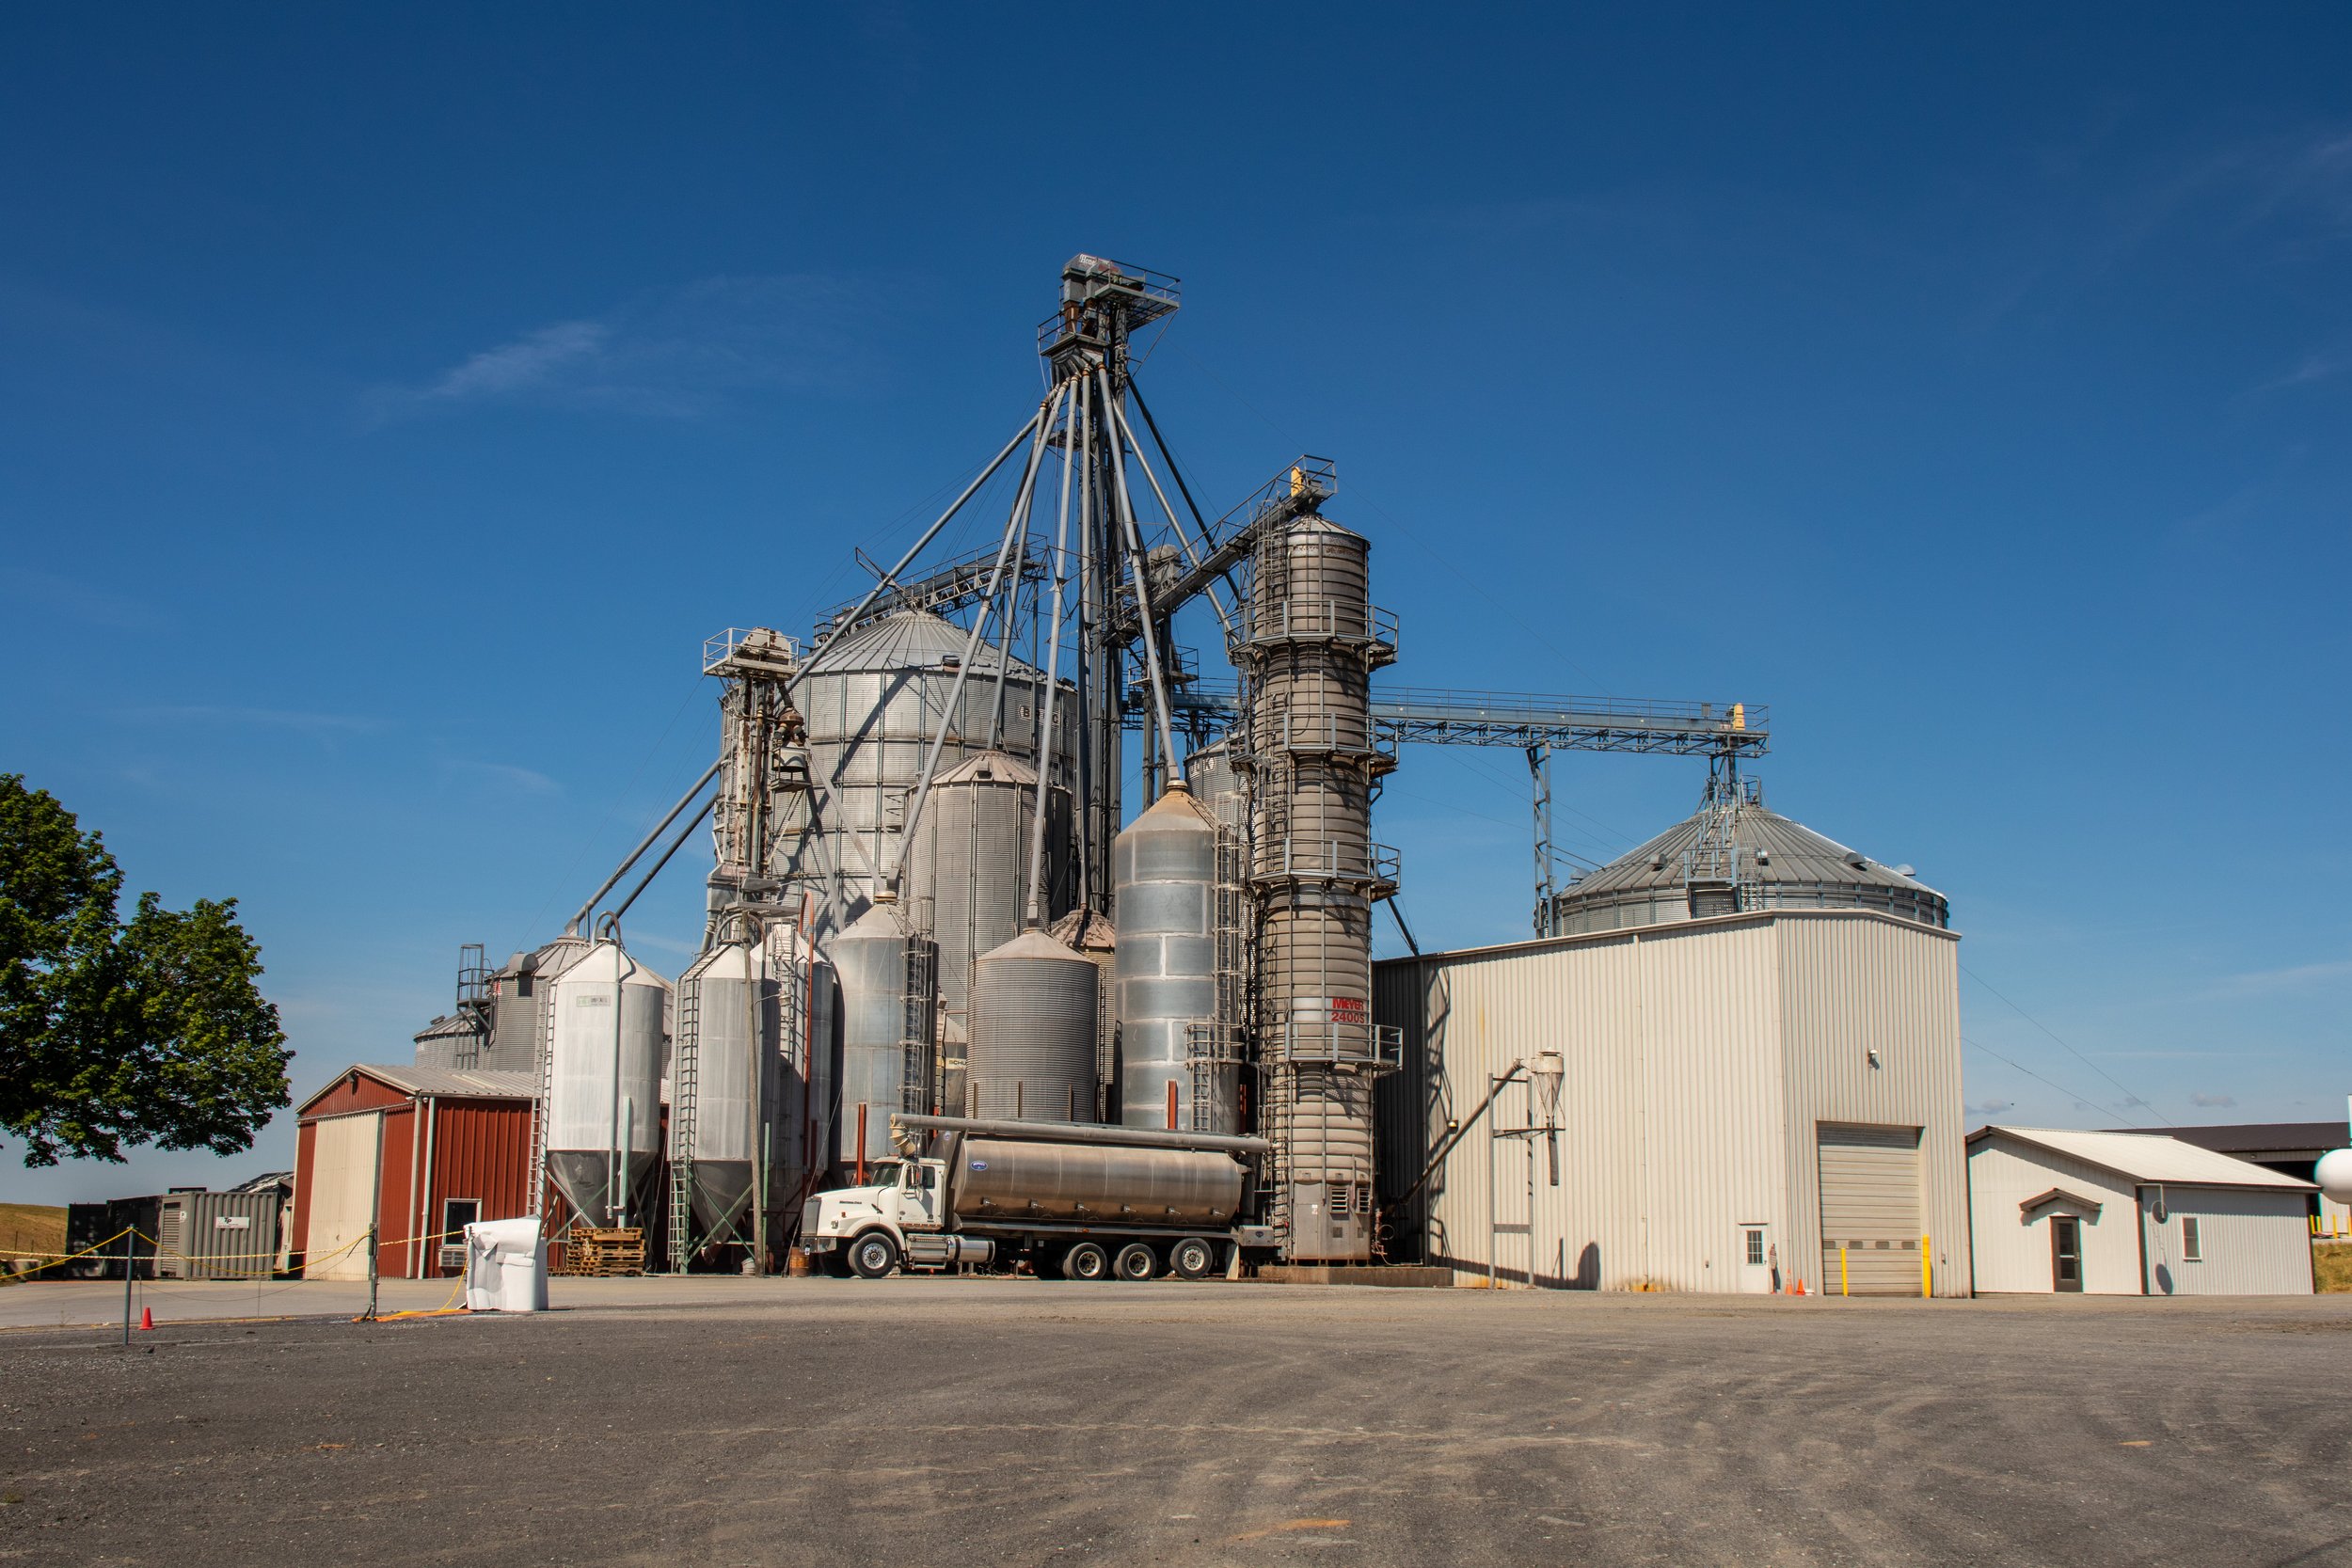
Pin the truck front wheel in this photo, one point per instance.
(1192, 1259)
(1085, 1260)
(874, 1256)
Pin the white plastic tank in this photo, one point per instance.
(1164, 867)
(1035, 1007)
(609, 1020)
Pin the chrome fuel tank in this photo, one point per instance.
(1002, 1179)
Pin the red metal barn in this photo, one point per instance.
(415, 1151)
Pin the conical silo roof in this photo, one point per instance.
(1784, 864)
(905, 640)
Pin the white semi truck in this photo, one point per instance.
(1073, 1200)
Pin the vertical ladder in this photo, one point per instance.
(682, 1099)
(535, 1179)
(918, 1034)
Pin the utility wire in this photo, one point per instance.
(2071, 1093)
(2129, 1096)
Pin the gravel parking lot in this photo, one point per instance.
(1019, 1421)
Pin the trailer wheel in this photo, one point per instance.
(1135, 1262)
(1193, 1257)
(1085, 1260)
(874, 1256)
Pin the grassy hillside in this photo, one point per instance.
(32, 1228)
(2332, 1264)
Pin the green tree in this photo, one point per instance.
(119, 1033)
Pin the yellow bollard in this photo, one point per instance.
(1843, 1289)
(1927, 1269)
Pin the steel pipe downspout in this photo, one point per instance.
(1014, 529)
(620, 871)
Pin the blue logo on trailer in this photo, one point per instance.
(979, 1164)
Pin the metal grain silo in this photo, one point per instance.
(872, 699)
(1164, 868)
(887, 1005)
(967, 871)
(730, 1080)
(1034, 1022)
(1093, 938)
(454, 1042)
(609, 1028)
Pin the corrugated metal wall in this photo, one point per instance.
(1852, 985)
(2250, 1244)
(481, 1151)
(216, 1235)
(1694, 1079)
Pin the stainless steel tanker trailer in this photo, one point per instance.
(1070, 1199)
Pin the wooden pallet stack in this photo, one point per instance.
(600, 1252)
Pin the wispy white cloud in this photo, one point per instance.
(2314, 367)
(531, 362)
(524, 781)
(2262, 982)
(1987, 1108)
(2212, 1101)
(663, 945)
(675, 354)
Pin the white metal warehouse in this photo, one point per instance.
(1745, 1100)
(2132, 1214)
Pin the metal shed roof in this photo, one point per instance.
(2148, 1157)
(2266, 1137)
(449, 1083)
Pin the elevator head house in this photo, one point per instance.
(1740, 1073)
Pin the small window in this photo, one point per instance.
(2192, 1244)
(1755, 1248)
(457, 1213)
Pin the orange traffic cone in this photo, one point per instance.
(147, 1317)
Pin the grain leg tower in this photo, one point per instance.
(1307, 653)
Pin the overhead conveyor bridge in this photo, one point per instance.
(1434, 716)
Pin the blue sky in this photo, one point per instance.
(392, 399)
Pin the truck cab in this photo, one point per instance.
(908, 1208)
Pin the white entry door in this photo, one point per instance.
(1755, 1253)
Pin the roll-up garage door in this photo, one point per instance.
(343, 1155)
(1870, 1208)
